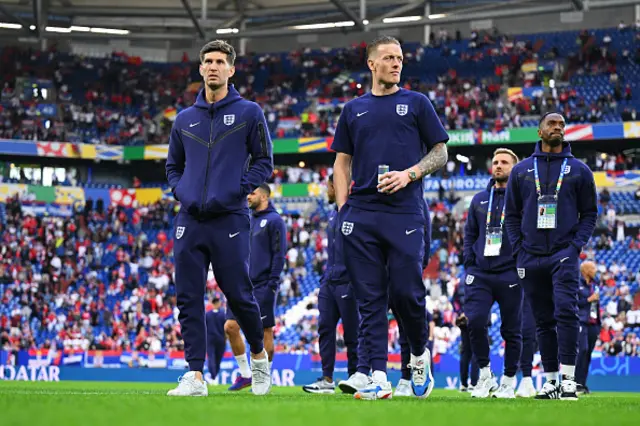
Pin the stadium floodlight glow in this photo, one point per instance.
(365, 22)
(80, 29)
(32, 27)
(437, 16)
(462, 158)
(9, 26)
(324, 25)
(109, 31)
(57, 30)
(227, 31)
(401, 19)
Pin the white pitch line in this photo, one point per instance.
(53, 392)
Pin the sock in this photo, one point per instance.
(509, 381)
(379, 376)
(243, 365)
(485, 371)
(569, 371)
(527, 379)
(551, 376)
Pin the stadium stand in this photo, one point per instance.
(120, 100)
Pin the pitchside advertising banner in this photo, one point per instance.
(606, 374)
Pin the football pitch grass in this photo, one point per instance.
(122, 404)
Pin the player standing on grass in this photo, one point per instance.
(550, 215)
(381, 139)
(268, 247)
(216, 341)
(491, 276)
(335, 301)
(210, 148)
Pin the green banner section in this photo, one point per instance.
(133, 153)
(519, 135)
(43, 194)
(285, 146)
(295, 190)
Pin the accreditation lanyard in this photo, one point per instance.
(491, 209)
(560, 178)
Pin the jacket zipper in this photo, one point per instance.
(206, 173)
(546, 234)
(333, 264)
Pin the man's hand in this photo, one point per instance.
(392, 182)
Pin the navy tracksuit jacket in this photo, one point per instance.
(491, 279)
(548, 259)
(218, 153)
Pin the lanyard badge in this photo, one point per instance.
(547, 213)
(493, 242)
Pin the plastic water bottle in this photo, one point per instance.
(382, 169)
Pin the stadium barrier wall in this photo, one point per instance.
(84, 151)
(60, 200)
(611, 374)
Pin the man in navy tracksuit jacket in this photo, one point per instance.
(382, 218)
(219, 152)
(216, 341)
(491, 276)
(335, 301)
(268, 248)
(589, 313)
(551, 214)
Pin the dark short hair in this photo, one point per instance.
(219, 46)
(330, 178)
(216, 299)
(373, 46)
(265, 188)
(544, 117)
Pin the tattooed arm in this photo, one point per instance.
(433, 161)
(392, 182)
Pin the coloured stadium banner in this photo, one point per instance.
(74, 196)
(611, 374)
(574, 132)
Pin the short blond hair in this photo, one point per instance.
(508, 152)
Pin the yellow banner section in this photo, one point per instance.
(148, 195)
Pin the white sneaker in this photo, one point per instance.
(353, 384)
(568, 390)
(375, 390)
(550, 390)
(189, 385)
(261, 375)
(505, 392)
(403, 388)
(320, 386)
(526, 388)
(486, 385)
(421, 377)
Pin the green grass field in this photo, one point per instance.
(121, 404)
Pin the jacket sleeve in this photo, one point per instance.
(588, 210)
(583, 295)
(471, 233)
(174, 166)
(513, 213)
(278, 240)
(261, 150)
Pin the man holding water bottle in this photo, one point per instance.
(381, 141)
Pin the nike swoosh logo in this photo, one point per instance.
(233, 235)
(194, 124)
(344, 296)
(484, 202)
(562, 260)
(530, 170)
(361, 113)
(410, 232)
(513, 285)
(263, 317)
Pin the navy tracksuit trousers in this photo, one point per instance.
(373, 241)
(482, 289)
(467, 359)
(223, 242)
(335, 302)
(588, 337)
(551, 285)
(529, 341)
